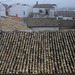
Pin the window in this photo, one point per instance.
(40, 11)
(16, 15)
(23, 12)
(47, 12)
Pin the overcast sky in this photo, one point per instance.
(60, 3)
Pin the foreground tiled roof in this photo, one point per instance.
(16, 18)
(37, 52)
(42, 22)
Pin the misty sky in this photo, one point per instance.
(60, 3)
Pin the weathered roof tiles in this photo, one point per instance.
(42, 22)
(37, 52)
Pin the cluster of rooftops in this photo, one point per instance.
(38, 52)
(55, 13)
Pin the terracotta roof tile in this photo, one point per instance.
(16, 18)
(42, 22)
(50, 52)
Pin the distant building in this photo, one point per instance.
(20, 10)
(43, 10)
(2, 10)
(66, 15)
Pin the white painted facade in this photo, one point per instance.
(46, 28)
(43, 14)
(20, 10)
(65, 18)
(2, 10)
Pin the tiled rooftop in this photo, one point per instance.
(44, 6)
(42, 22)
(16, 18)
(66, 24)
(66, 13)
(11, 24)
(37, 52)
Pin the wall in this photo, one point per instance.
(51, 13)
(46, 28)
(67, 18)
(64, 18)
(37, 15)
(15, 10)
(27, 9)
(19, 9)
(2, 10)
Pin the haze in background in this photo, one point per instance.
(60, 3)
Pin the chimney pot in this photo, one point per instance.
(36, 2)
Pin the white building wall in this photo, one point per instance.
(64, 18)
(27, 9)
(15, 10)
(67, 18)
(36, 10)
(2, 10)
(19, 9)
(51, 11)
(46, 28)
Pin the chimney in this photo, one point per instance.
(36, 2)
(17, 3)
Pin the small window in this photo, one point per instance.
(47, 12)
(16, 15)
(24, 13)
(40, 11)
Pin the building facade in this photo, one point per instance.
(2, 10)
(20, 10)
(43, 10)
(66, 15)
